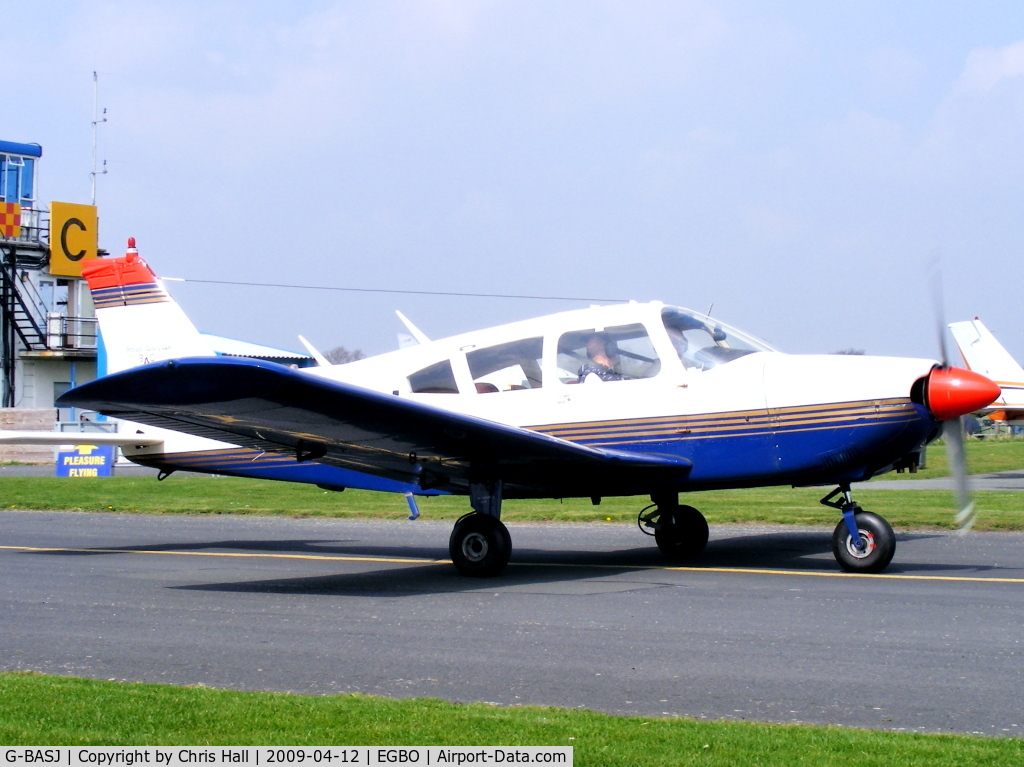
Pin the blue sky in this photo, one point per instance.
(795, 164)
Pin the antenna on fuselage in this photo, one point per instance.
(416, 333)
(321, 360)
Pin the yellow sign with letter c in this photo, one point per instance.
(74, 237)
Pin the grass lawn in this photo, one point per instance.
(226, 495)
(773, 505)
(47, 710)
(983, 457)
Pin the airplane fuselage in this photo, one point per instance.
(743, 414)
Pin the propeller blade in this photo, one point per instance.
(939, 307)
(953, 434)
(953, 429)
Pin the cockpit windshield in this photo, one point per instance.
(703, 343)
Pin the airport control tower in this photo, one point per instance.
(47, 321)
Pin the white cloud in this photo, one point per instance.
(987, 67)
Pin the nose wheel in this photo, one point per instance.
(862, 542)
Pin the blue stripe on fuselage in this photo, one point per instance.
(840, 442)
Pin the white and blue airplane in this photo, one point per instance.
(621, 400)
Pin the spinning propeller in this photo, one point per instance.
(951, 394)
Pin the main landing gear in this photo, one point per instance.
(480, 545)
(863, 542)
(681, 532)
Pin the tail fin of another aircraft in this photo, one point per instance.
(139, 321)
(984, 354)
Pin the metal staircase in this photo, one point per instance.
(18, 314)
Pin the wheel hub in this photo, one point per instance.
(867, 538)
(474, 547)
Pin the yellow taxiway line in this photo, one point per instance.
(410, 561)
(261, 555)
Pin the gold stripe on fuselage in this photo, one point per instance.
(736, 423)
(687, 437)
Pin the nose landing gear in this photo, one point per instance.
(862, 542)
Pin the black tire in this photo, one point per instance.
(880, 543)
(682, 533)
(480, 546)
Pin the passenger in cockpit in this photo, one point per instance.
(603, 364)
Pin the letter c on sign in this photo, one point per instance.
(64, 239)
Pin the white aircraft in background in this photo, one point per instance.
(983, 354)
(631, 399)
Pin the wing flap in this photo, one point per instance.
(275, 408)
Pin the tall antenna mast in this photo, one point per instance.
(96, 120)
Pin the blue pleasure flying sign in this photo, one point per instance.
(86, 461)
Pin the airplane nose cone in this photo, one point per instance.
(953, 392)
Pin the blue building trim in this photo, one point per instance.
(27, 150)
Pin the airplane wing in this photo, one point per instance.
(270, 407)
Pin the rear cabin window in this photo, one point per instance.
(507, 367)
(619, 353)
(436, 379)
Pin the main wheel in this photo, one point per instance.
(879, 544)
(682, 533)
(480, 546)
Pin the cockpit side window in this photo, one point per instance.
(619, 353)
(435, 379)
(507, 367)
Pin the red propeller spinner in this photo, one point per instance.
(953, 392)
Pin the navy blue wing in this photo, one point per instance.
(271, 407)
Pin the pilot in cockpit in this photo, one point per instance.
(603, 362)
(680, 344)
